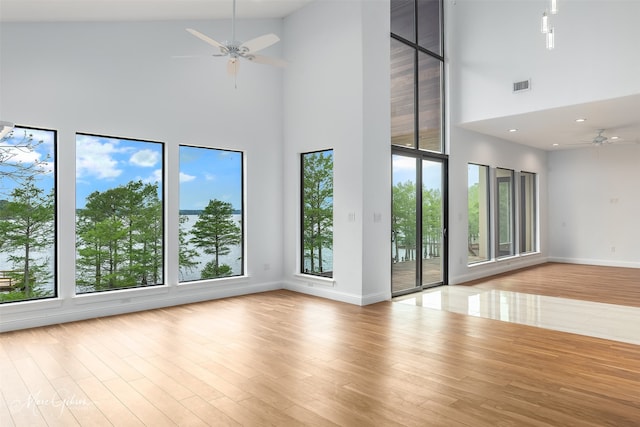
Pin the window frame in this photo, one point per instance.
(487, 204)
(242, 214)
(162, 193)
(499, 253)
(302, 258)
(525, 210)
(55, 245)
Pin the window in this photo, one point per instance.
(419, 171)
(416, 75)
(211, 214)
(528, 218)
(27, 215)
(119, 213)
(505, 244)
(402, 95)
(429, 111)
(317, 213)
(479, 240)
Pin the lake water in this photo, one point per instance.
(232, 259)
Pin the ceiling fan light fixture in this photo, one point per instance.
(233, 66)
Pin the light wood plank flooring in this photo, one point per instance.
(612, 285)
(282, 359)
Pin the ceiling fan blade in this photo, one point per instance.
(261, 59)
(259, 43)
(188, 56)
(205, 39)
(233, 66)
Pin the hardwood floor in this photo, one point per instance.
(282, 358)
(612, 285)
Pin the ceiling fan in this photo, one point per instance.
(236, 50)
(598, 140)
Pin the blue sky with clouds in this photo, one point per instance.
(103, 163)
(13, 151)
(206, 174)
(404, 169)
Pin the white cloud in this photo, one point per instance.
(209, 177)
(156, 176)
(94, 158)
(404, 163)
(186, 178)
(145, 158)
(12, 154)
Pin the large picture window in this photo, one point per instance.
(211, 213)
(479, 240)
(528, 217)
(119, 213)
(317, 213)
(27, 215)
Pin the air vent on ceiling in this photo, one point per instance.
(522, 86)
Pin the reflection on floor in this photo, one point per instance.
(608, 321)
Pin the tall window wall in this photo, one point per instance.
(119, 213)
(479, 239)
(211, 214)
(419, 204)
(27, 215)
(505, 237)
(528, 212)
(317, 213)
(515, 208)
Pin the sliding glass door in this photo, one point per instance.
(418, 249)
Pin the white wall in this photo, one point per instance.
(119, 79)
(471, 147)
(594, 195)
(486, 45)
(337, 96)
(499, 42)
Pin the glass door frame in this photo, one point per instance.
(443, 159)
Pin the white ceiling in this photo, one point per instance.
(619, 117)
(141, 10)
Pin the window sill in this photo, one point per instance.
(30, 305)
(120, 294)
(324, 281)
(213, 283)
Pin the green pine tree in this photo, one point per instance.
(215, 233)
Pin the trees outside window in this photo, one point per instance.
(27, 215)
(317, 213)
(528, 212)
(505, 238)
(119, 213)
(478, 204)
(211, 213)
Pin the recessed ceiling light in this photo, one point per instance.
(556, 144)
(615, 137)
(581, 120)
(513, 130)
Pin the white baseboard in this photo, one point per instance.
(599, 262)
(499, 267)
(33, 314)
(331, 293)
